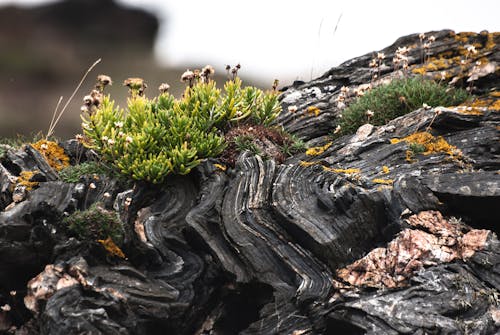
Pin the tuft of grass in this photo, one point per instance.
(292, 145)
(397, 98)
(246, 143)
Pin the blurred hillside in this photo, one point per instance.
(45, 50)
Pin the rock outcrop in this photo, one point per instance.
(354, 236)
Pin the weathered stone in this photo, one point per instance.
(353, 236)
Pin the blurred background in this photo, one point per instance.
(46, 46)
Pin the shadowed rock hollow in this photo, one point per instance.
(351, 237)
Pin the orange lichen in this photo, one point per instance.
(385, 169)
(480, 105)
(383, 181)
(24, 179)
(53, 154)
(111, 247)
(464, 37)
(313, 110)
(429, 143)
(315, 151)
(346, 171)
(490, 42)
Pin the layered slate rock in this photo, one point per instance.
(356, 235)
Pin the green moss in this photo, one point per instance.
(73, 173)
(395, 99)
(95, 223)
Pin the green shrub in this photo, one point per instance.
(397, 98)
(156, 137)
(95, 223)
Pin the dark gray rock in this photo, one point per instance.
(268, 248)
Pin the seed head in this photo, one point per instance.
(208, 70)
(87, 100)
(164, 87)
(103, 81)
(188, 75)
(472, 49)
(136, 86)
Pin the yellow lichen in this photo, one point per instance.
(24, 179)
(383, 181)
(220, 167)
(385, 169)
(315, 151)
(346, 171)
(442, 62)
(53, 154)
(383, 187)
(313, 110)
(307, 164)
(111, 247)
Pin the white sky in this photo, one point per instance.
(291, 39)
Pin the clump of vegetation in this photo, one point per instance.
(3, 150)
(156, 137)
(399, 97)
(95, 223)
(267, 142)
(73, 173)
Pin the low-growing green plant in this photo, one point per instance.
(95, 223)
(246, 143)
(292, 145)
(163, 135)
(73, 173)
(399, 97)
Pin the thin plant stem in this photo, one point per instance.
(54, 115)
(54, 123)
